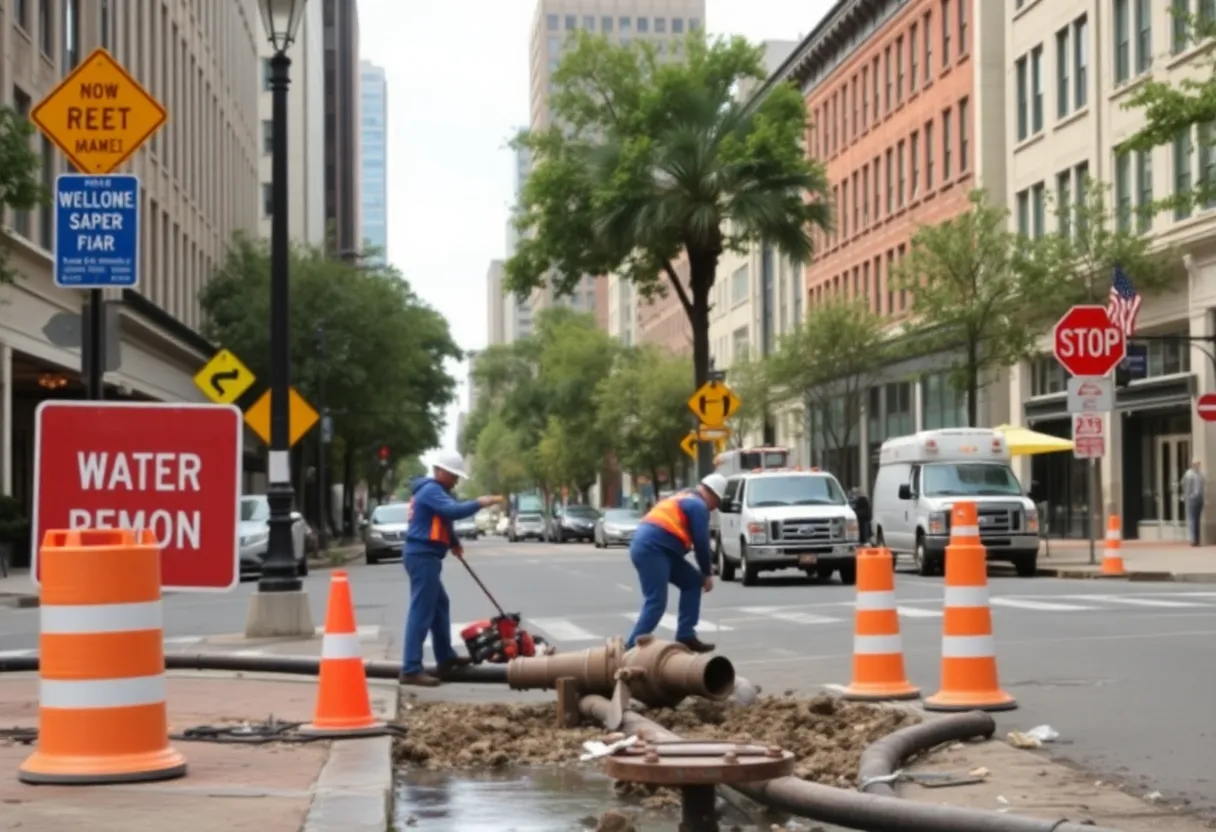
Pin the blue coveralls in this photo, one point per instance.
(663, 538)
(427, 541)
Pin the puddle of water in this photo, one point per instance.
(516, 800)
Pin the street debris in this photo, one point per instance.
(825, 734)
(1034, 738)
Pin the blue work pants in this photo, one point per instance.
(657, 569)
(430, 612)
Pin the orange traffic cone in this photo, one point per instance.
(103, 715)
(969, 678)
(1112, 554)
(878, 653)
(343, 703)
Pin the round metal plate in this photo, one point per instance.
(699, 763)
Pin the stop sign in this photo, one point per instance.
(1087, 343)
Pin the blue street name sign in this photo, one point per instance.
(96, 231)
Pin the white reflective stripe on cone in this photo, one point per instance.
(1114, 537)
(966, 596)
(876, 600)
(341, 646)
(81, 694)
(965, 531)
(968, 647)
(63, 619)
(877, 645)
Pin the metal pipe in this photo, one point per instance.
(854, 810)
(883, 757)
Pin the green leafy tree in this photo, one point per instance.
(974, 295)
(642, 410)
(651, 159)
(21, 187)
(383, 361)
(499, 466)
(750, 380)
(828, 364)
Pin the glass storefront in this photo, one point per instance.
(1157, 447)
(1059, 486)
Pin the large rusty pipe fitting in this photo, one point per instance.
(595, 669)
(670, 672)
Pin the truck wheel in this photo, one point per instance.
(726, 569)
(1026, 565)
(750, 573)
(848, 574)
(925, 565)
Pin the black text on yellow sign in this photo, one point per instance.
(714, 403)
(99, 115)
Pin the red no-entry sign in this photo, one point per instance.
(1207, 407)
(1087, 343)
(172, 468)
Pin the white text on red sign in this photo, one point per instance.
(1087, 342)
(142, 471)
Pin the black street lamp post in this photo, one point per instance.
(279, 571)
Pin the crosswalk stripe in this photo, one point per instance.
(561, 629)
(668, 622)
(791, 616)
(1140, 602)
(917, 612)
(16, 654)
(1043, 606)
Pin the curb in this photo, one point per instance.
(322, 564)
(1143, 576)
(355, 787)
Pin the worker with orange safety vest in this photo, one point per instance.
(428, 539)
(665, 535)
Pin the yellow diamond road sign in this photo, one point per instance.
(302, 417)
(99, 115)
(689, 444)
(224, 378)
(714, 403)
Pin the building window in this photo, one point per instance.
(1144, 36)
(660, 25)
(624, 25)
(551, 22)
(571, 22)
(890, 183)
(928, 155)
(1064, 203)
(1023, 200)
(853, 100)
(1144, 190)
(946, 145)
(1038, 206)
(964, 131)
(1207, 163)
(899, 70)
(946, 31)
(913, 61)
(738, 286)
(914, 159)
(267, 199)
(1063, 88)
(856, 203)
(1180, 11)
(606, 25)
(886, 68)
(268, 136)
(266, 73)
(942, 406)
(903, 175)
(1036, 89)
(865, 195)
(589, 22)
(1023, 123)
(71, 33)
(1080, 61)
(874, 76)
(1123, 41)
(928, 46)
(21, 14)
(46, 29)
(877, 166)
(677, 25)
(962, 27)
(1123, 191)
(643, 25)
(1183, 148)
(694, 25)
(21, 105)
(1081, 186)
(739, 344)
(865, 96)
(899, 409)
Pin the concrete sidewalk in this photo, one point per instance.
(1147, 561)
(316, 787)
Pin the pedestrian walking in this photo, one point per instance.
(666, 534)
(1193, 485)
(428, 539)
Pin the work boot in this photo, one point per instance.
(696, 645)
(454, 663)
(419, 680)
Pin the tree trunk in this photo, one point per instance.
(701, 272)
(973, 383)
(348, 494)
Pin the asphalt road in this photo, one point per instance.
(1125, 672)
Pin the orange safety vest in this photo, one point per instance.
(439, 530)
(668, 515)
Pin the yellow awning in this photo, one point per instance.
(1026, 442)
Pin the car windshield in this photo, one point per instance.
(466, 521)
(622, 515)
(970, 479)
(395, 513)
(582, 512)
(794, 490)
(529, 518)
(254, 509)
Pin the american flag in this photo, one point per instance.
(1123, 303)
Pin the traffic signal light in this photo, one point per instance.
(383, 453)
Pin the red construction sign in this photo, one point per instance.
(171, 468)
(1207, 407)
(1087, 343)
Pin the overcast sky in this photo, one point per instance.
(457, 91)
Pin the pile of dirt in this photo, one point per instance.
(825, 734)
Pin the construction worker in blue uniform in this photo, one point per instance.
(428, 539)
(665, 535)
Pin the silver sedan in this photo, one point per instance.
(616, 527)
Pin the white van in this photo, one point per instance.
(920, 477)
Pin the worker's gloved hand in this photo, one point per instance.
(458, 551)
(707, 584)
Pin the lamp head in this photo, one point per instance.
(282, 19)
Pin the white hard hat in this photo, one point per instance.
(451, 462)
(716, 484)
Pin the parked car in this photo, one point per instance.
(616, 527)
(485, 520)
(503, 524)
(466, 528)
(528, 525)
(254, 531)
(574, 523)
(384, 532)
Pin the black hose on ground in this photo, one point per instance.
(851, 809)
(881, 759)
